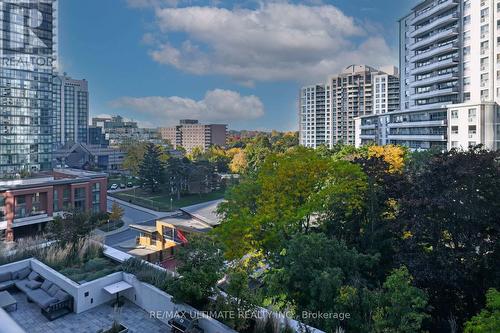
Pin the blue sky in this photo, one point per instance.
(236, 62)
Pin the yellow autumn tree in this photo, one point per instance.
(239, 161)
(391, 154)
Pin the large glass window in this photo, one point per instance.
(80, 202)
(66, 199)
(96, 197)
(20, 206)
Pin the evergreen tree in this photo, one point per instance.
(152, 169)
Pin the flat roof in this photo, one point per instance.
(48, 179)
(187, 223)
(205, 212)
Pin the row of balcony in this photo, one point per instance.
(433, 38)
(435, 93)
(434, 24)
(435, 51)
(435, 65)
(439, 6)
(434, 79)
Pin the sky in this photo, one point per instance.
(219, 61)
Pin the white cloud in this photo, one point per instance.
(277, 41)
(217, 106)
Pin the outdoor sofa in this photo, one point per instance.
(52, 300)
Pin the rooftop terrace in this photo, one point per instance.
(28, 316)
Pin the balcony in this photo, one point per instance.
(434, 79)
(416, 137)
(435, 93)
(368, 126)
(434, 38)
(423, 123)
(439, 7)
(435, 51)
(434, 66)
(434, 24)
(431, 106)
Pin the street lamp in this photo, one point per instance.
(171, 203)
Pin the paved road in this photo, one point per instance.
(134, 215)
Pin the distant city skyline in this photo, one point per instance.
(154, 63)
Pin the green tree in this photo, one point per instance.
(402, 306)
(116, 212)
(200, 267)
(134, 153)
(71, 227)
(152, 169)
(287, 195)
(448, 231)
(488, 320)
(317, 274)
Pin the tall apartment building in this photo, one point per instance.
(190, 134)
(26, 91)
(315, 125)
(72, 110)
(327, 112)
(450, 61)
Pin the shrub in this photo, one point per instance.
(147, 273)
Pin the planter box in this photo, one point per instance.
(122, 329)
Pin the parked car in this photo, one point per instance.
(129, 184)
(122, 186)
(183, 322)
(114, 187)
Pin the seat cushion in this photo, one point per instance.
(33, 284)
(33, 276)
(21, 285)
(46, 285)
(41, 298)
(22, 273)
(53, 290)
(6, 276)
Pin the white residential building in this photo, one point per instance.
(450, 78)
(315, 125)
(327, 111)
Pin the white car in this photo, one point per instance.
(114, 187)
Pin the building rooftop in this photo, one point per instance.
(28, 316)
(50, 178)
(205, 212)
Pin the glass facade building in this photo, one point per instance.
(28, 61)
(72, 110)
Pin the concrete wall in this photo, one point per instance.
(92, 294)
(153, 300)
(15, 266)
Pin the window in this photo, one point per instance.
(454, 144)
(20, 206)
(96, 197)
(56, 201)
(454, 129)
(66, 199)
(472, 115)
(472, 131)
(472, 143)
(80, 202)
(2, 206)
(454, 114)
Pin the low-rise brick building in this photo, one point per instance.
(26, 205)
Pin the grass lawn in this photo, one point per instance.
(161, 202)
